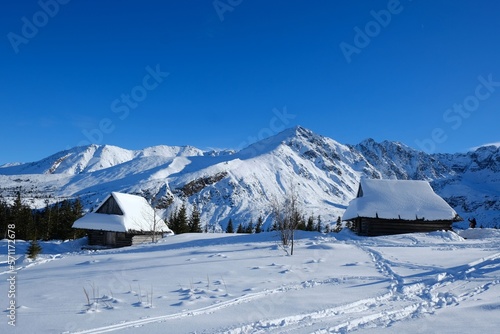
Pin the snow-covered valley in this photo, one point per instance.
(436, 282)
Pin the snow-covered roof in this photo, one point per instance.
(138, 215)
(398, 199)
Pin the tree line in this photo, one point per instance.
(52, 222)
(179, 222)
(311, 223)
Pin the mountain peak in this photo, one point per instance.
(239, 185)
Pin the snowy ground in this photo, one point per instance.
(218, 283)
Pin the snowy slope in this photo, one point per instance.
(92, 158)
(240, 185)
(220, 283)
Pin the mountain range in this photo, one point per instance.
(241, 184)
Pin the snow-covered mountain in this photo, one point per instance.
(240, 185)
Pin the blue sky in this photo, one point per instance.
(221, 74)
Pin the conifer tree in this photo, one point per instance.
(318, 225)
(34, 249)
(230, 228)
(310, 224)
(195, 221)
(172, 220)
(46, 223)
(258, 228)
(240, 229)
(182, 219)
(249, 228)
(338, 225)
(67, 212)
(21, 217)
(178, 221)
(327, 228)
(4, 212)
(76, 213)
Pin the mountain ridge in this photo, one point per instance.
(239, 185)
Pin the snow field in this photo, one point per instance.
(219, 283)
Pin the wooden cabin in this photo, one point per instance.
(384, 207)
(122, 220)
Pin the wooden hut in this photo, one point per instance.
(122, 220)
(384, 207)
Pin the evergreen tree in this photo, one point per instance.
(258, 228)
(178, 221)
(195, 221)
(172, 220)
(22, 217)
(273, 227)
(77, 213)
(182, 220)
(34, 249)
(46, 221)
(310, 224)
(318, 225)
(249, 228)
(230, 228)
(327, 228)
(16, 216)
(338, 225)
(240, 229)
(4, 213)
(66, 213)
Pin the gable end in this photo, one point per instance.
(110, 207)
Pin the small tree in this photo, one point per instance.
(286, 218)
(240, 229)
(249, 228)
(327, 228)
(182, 219)
(310, 224)
(195, 221)
(22, 216)
(4, 213)
(178, 221)
(154, 222)
(318, 225)
(301, 223)
(47, 221)
(172, 220)
(34, 249)
(338, 225)
(258, 228)
(230, 228)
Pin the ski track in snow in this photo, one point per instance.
(403, 300)
(417, 299)
(208, 309)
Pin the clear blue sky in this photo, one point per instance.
(86, 68)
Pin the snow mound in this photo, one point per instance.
(480, 233)
(446, 235)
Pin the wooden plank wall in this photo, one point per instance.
(375, 227)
